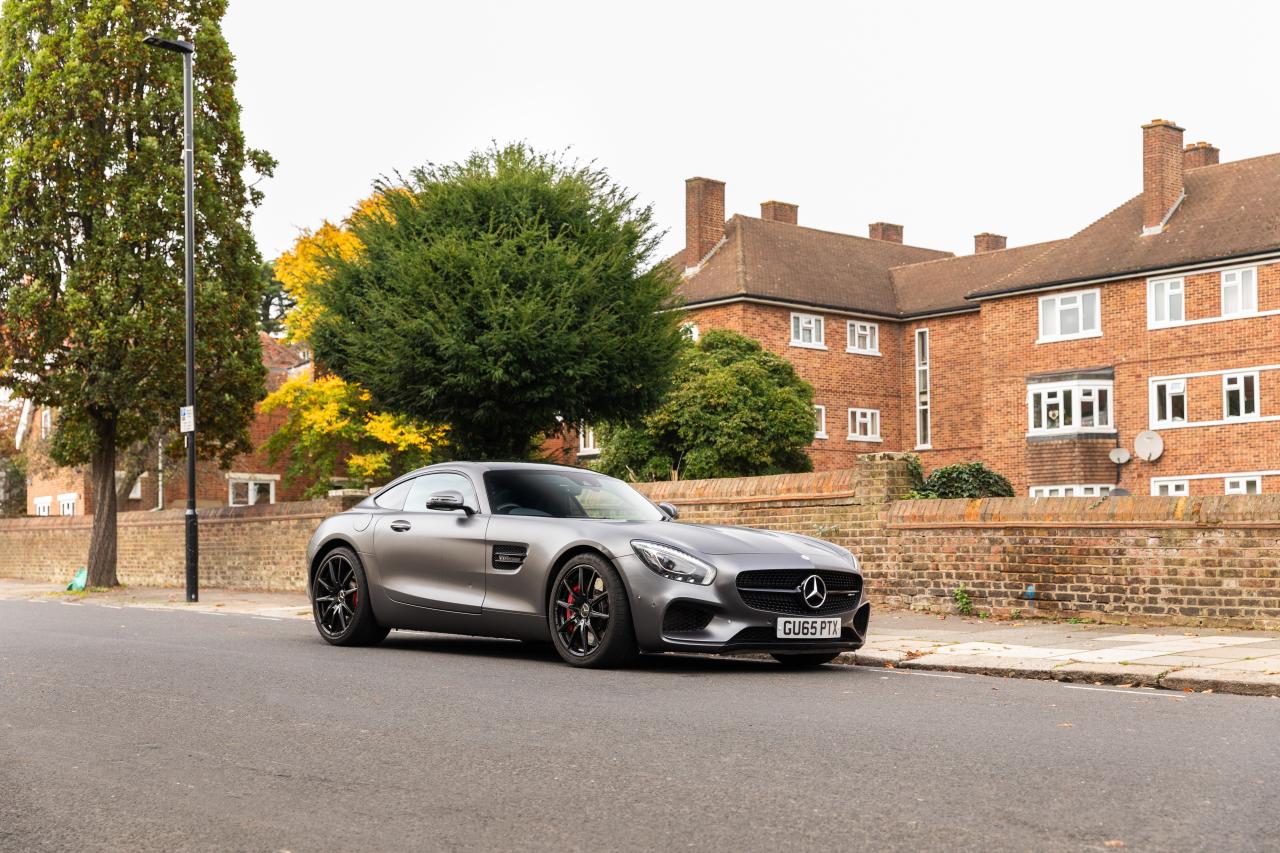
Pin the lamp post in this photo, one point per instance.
(187, 418)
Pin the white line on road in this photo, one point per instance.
(926, 674)
(1126, 691)
(72, 603)
(112, 606)
(266, 618)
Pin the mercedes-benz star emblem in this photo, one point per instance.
(814, 592)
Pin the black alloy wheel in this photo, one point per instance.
(589, 615)
(339, 601)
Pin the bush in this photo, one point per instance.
(962, 480)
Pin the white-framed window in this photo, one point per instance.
(46, 422)
(1239, 292)
(135, 491)
(43, 505)
(251, 489)
(1169, 402)
(819, 421)
(1072, 491)
(1165, 303)
(67, 504)
(864, 338)
(1067, 316)
(807, 331)
(1170, 488)
(690, 331)
(587, 444)
(924, 411)
(864, 425)
(1075, 406)
(1244, 485)
(1239, 396)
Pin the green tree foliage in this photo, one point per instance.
(962, 480)
(734, 410)
(91, 233)
(498, 294)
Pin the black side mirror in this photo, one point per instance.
(448, 501)
(670, 510)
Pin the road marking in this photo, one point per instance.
(72, 603)
(1128, 692)
(112, 606)
(926, 674)
(266, 618)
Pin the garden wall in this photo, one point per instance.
(1192, 560)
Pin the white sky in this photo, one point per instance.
(950, 118)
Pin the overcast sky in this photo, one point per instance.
(950, 118)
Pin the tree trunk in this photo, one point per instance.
(102, 543)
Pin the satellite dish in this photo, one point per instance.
(1148, 445)
(1119, 455)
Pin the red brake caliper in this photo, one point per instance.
(568, 613)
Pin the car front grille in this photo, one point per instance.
(778, 591)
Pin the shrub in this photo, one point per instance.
(962, 480)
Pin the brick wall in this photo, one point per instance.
(261, 547)
(1196, 560)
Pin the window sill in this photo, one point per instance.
(587, 454)
(870, 439)
(819, 435)
(800, 345)
(862, 351)
(923, 447)
(1086, 433)
(1222, 318)
(1252, 419)
(1060, 338)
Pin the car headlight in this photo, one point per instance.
(674, 564)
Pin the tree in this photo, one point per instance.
(302, 269)
(276, 303)
(734, 410)
(91, 247)
(499, 294)
(330, 423)
(961, 480)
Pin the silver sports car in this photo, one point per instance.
(546, 552)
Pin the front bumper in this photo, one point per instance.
(668, 615)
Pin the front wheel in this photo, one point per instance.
(340, 602)
(805, 661)
(589, 615)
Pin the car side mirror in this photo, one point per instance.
(448, 501)
(670, 510)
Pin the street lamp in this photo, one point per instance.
(187, 418)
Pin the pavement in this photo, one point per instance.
(1241, 662)
(173, 728)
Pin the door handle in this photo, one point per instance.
(400, 526)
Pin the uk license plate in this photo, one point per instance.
(808, 629)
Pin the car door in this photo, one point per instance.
(434, 558)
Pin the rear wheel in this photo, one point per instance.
(589, 615)
(340, 601)
(805, 660)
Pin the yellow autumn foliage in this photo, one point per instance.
(330, 421)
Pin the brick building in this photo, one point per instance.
(1038, 360)
(251, 479)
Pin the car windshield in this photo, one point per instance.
(566, 494)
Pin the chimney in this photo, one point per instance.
(885, 231)
(1199, 154)
(988, 242)
(1161, 172)
(703, 218)
(780, 211)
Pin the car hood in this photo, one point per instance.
(713, 540)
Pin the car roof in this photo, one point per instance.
(481, 467)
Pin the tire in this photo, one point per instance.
(340, 577)
(807, 660)
(597, 636)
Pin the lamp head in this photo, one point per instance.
(175, 45)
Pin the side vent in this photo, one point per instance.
(508, 558)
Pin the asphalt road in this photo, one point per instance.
(162, 730)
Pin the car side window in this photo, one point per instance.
(393, 498)
(429, 484)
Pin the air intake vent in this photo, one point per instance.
(508, 558)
